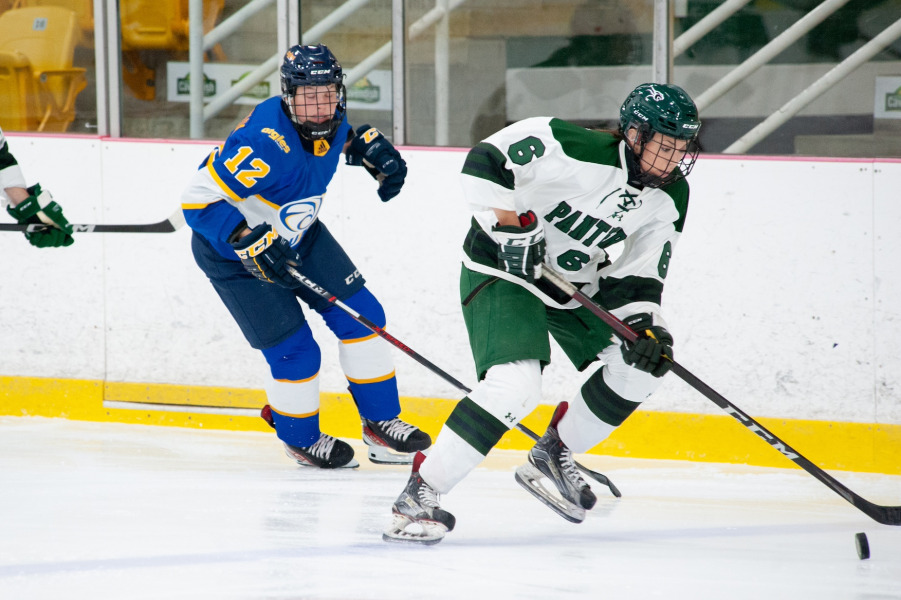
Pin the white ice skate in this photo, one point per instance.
(551, 474)
(416, 515)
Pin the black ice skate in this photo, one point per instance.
(326, 453)
(550, 459)
(418, 518)
(393, 442)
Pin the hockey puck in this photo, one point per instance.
(863, 545)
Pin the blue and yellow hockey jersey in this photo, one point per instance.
(261, 174)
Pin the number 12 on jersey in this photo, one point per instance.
(246, 176)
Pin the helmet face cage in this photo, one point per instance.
(313, 66)
(645, 157)
(669, 111)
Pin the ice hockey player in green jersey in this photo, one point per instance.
(548, 194)
(31, 205)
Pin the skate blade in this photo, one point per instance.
(382, 455)
(352, 464)
(405, 530)
(529, 477)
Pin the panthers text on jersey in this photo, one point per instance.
(576, 182)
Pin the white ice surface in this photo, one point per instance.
(96, 511)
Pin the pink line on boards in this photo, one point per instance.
(184, 142)
(792, 158)
(106, 138)
(72, 136)
(434, 148)
(704, 155)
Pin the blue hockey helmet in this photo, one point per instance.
(313, 66)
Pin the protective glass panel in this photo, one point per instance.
(362, 43)
(852, 113)
(47, 66)
(493, 62)
(156, 83)
(155, 96)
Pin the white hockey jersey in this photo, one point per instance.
(576, 182)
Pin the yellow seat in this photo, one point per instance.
(147, 25)
(162, 24)
(157, 25)
(18, 96)
(84, 11)
(45, 38)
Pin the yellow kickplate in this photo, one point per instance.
(658, 435)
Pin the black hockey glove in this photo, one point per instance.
(521, 249)
(267, 256)
(372, 150)
(652, 352)
(40, 208)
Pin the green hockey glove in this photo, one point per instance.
(521, 249)
(652, 352)
(40, 209)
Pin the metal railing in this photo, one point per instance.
(438, 17)
(665, 49)
(766, 54)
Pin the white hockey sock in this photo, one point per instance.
(294, 398)
(580, 429)
(449, 460)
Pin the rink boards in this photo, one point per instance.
(783, 296)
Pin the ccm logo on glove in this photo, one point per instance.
(266, 255)
(521, 250)
(40, 208)
(372, 150)
(259, 246)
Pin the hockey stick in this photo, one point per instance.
(175, 222)
(312, 285)
(887, 515)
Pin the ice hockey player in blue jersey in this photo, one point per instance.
(253, 206)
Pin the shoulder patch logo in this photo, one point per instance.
(277, 138)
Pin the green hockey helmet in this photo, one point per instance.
(659, 108)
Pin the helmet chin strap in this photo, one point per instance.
(633, 168)
(633, 158)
